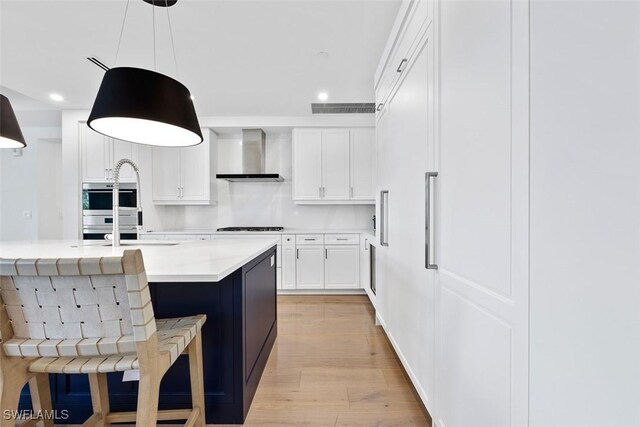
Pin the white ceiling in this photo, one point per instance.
(237, 57)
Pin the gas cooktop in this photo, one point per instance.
(251, 229)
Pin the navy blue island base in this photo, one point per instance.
(237, 339)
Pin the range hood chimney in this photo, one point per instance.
(253, 155)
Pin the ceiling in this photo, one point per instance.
(237, 57)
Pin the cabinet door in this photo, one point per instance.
(95, 155)
(195, 173)
(361, 158)
(481, 226)
(307, 164)
(407, 288)
(124, 150)
(310, 267)
(166, 174)
(288, 267)
(342, 266)
(335, 164)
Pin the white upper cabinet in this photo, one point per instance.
(333, 166)
(362, 149)
(307, 164)
(99, 155)
(186, 176)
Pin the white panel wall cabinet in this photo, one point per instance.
(405, 287)
(333, 166)
(99, 155)
(341, 266)
(487, 280)
(310, 266)
(307, 164)
(362, 154)
(186, 176)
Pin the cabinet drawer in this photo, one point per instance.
(309, 239)
(342, 239)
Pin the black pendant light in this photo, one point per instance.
(10, 133)
(144, 106)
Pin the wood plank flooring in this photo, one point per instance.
(331, 366)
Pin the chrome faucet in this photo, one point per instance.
(115, 238)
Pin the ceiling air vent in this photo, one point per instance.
(343, 108)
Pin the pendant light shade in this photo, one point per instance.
(10, 133)
(145, 107)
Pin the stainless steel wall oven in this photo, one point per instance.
(97, 210)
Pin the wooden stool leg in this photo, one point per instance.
(11, 383)
(41, 398)
(196, 376)
(100, 397)
(148, 394)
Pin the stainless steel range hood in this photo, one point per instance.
(253, 155)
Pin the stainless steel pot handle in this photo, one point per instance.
(428, 245)
(384, 194)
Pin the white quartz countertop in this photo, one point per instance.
(165, 261)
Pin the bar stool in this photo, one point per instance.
(91, 316)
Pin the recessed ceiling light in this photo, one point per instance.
(323, 96)
(56, 97)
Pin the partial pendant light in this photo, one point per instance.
(10, 133)
(144, 106)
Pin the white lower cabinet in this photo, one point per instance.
(342, 266)
(288, 263)
(304, 261)
(310, 266)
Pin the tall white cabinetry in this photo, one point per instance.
(517, 221)
(461, 330)
(186, 176)
(333, 166)
(99, 154)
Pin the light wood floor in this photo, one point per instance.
(331, 366)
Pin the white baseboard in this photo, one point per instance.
(321, 292)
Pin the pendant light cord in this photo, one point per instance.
(124, 20)
(173, 45)
(153, 14)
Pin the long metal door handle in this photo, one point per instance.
(383, 218)
(297, 253)
(428, 244)
(326, 255)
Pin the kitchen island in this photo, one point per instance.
(233, 282)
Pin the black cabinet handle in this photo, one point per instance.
(297, 253)
(379, 107)
(402, 65)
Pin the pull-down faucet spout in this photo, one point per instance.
(116, 199)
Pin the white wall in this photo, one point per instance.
(585, 214)
(250, 203)
(21, 184)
